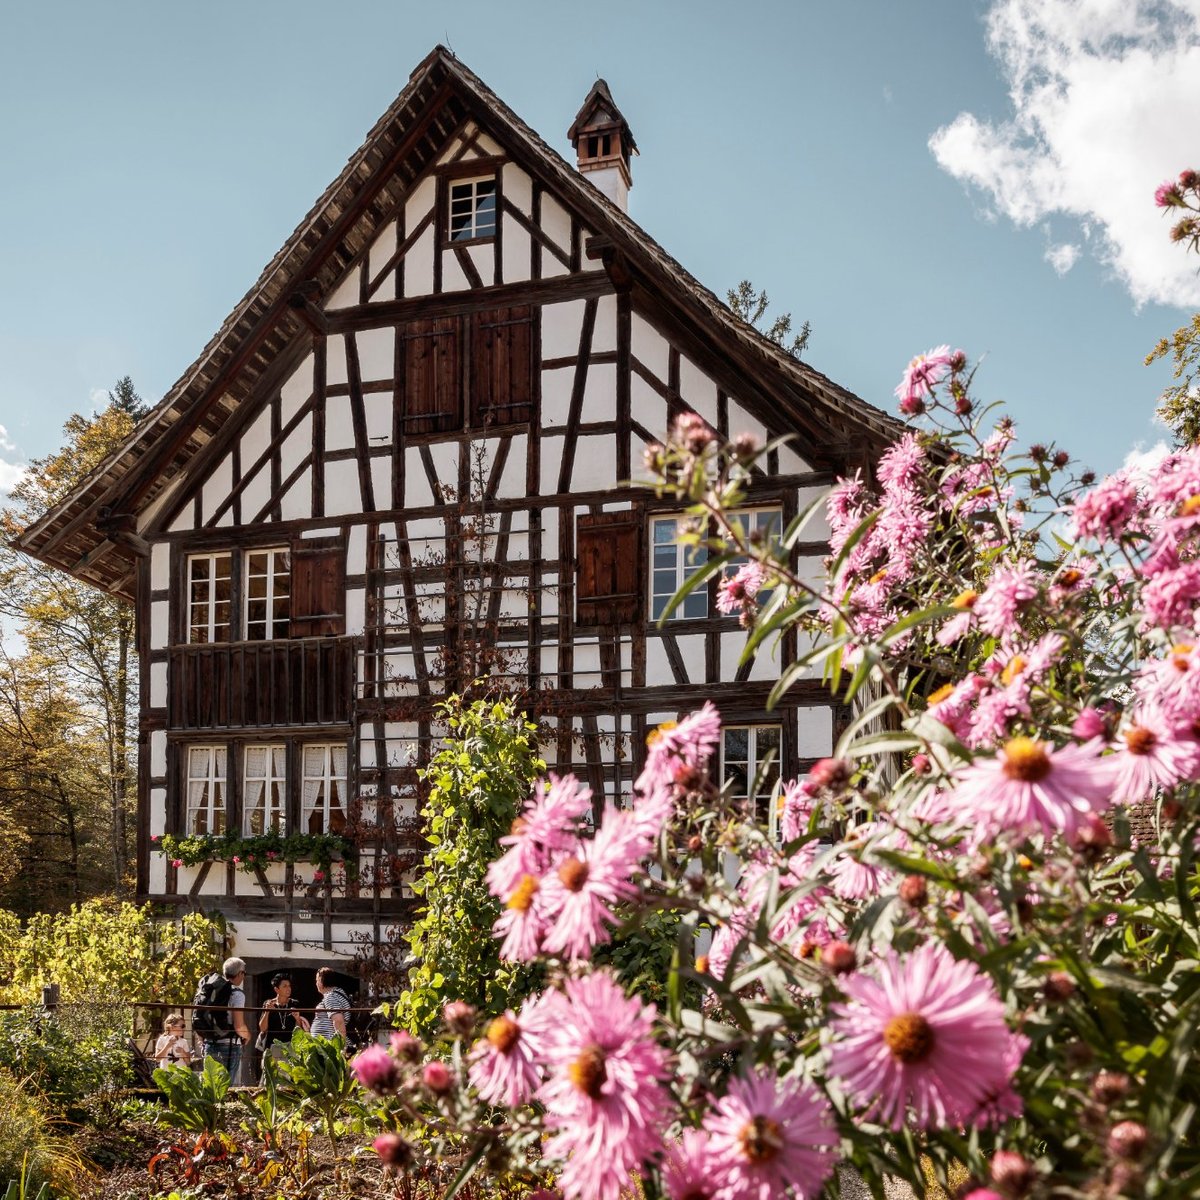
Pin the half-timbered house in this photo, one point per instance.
(398, 465)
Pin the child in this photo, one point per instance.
(172, 1046)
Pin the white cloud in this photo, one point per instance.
(1139, 463)
(6, 443)
(99, 399)
(1104, 96)
(10, 476)
(1062, 258)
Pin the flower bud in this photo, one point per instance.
(1012, 1173)
(1090, 723)
(1037, 452)
(744, 446)
(912, 406)
(393, 1150)
(376, 1070)
(692, 432)
(983, 1194)
(404, 1046)
(695, 844)
(963, 406)
(1128, 1140)
(1087, 478)
(1060, 459)
(1110, 1086)
(920, 764)
(1058, 986)
(831, 773)
(839, 958)
(1189, 179)
(436, 1077)
(459, 1017)
(914, 891)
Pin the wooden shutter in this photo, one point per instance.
(608, 549)
(502, 367)
(432, 376)
(318, 589)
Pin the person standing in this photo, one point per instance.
(329, 1020)
(279, 1019)
(172, 1048)
(221, 1016)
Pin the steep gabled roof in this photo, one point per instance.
(89, 534)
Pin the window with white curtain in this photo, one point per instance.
(323, 789)
(264, 793)
(205, 789)
(745, 750)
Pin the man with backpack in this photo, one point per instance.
(218, 1016)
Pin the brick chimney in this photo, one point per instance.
(604, 144)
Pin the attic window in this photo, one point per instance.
(473, 209)
(599, 146)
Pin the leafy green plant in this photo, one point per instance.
(34, 1154)
(477, 785)
(314, 1070)
(195, 1101)
(260, 850)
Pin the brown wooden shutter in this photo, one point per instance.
(608, 549)
(318, 589)
(502, 367)
(432, 376)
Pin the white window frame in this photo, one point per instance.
(468, 200)
(327, 777)
(687, 560)
(209, 624)
(273, 575)
(207, 779)
(772, 796)
(274, 788)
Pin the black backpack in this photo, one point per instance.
(210, 1017)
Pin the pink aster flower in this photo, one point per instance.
(772, 1137)
(902, 464)
(928, 1035)
(689, 742)
(921, 376)
(1105, 511)
(1168, 195)
(1170, 595)
(604, 1098)
(504, 1066)
(523, 923)
(1009, 588)
(690, 1170)
(1030, 787)
(1150, 754)
(578, 895)
(852, 878)
(376, 1070)
(736, 592)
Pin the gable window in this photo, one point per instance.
(323, 790)
(210, 592)
(267, 587)
(473, 209)
(205, 789)
(671, 565)
(264, 791)
(745, 750)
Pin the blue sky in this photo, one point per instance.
(154, 156)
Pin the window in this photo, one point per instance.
(744, 752)
(209, 590)
(268, 585)
(760, 523)
(264, 794)
(205, 789)
(323, 795)
(670, 565)
(473, 209)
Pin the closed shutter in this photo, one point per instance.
(432, 376)
(609, 553)
(502, 367)
(318, 590)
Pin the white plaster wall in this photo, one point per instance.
(158, 812)
(814, 732)
(518, 189)
(512, 478)
(335, 359)
(488, 145)
(382, 248)
(216, 488)
(600, 395)
(790, 462)
(296, 447)
(595, 464)
(160, 566)
(551, 463)
(604, 336)
(698, 391)
(256, 493)
(257, 438)
(342, 495)
(649, 347)
(153, 511)
(158, 752)
(453, 279)
(560, 329)
(376, 353)
(484, 258)
(356, 550)
(183, 522)
(454, 145)
(658, 667)
(339, 428)
(158, 685)
(817, 527)
(296, 503)
(157, 882)
(160, 624)
(418, 265)
(296, 390)
(514, 264)
(346, 293)
(740, 421)
(556, 224)
(556, 396)
(355, 611)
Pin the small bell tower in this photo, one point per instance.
(604, 144)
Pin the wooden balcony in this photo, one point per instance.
(302, 681)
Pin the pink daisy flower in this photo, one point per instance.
(547, 823)
(1150, 754)
(690, 1170)
(522, 924)
(604, 1098)
(504, 1066)
(772, 1137)
(921, 376)
(928, 1035)
(577, 896)
(689, 742)
(1009, 588)
(852, 878)
(1030, 787)
(902, 464)
(1105, 511)
(736, 592)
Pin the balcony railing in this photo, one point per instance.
(305, 681)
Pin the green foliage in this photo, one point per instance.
(751, 305)
(57, 1065)
(477, 785)
(33, 1153)
(195, 1100)
(102, 950)
(1179, 405)
(642, 953)
(260, 850)
(314, 1071)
